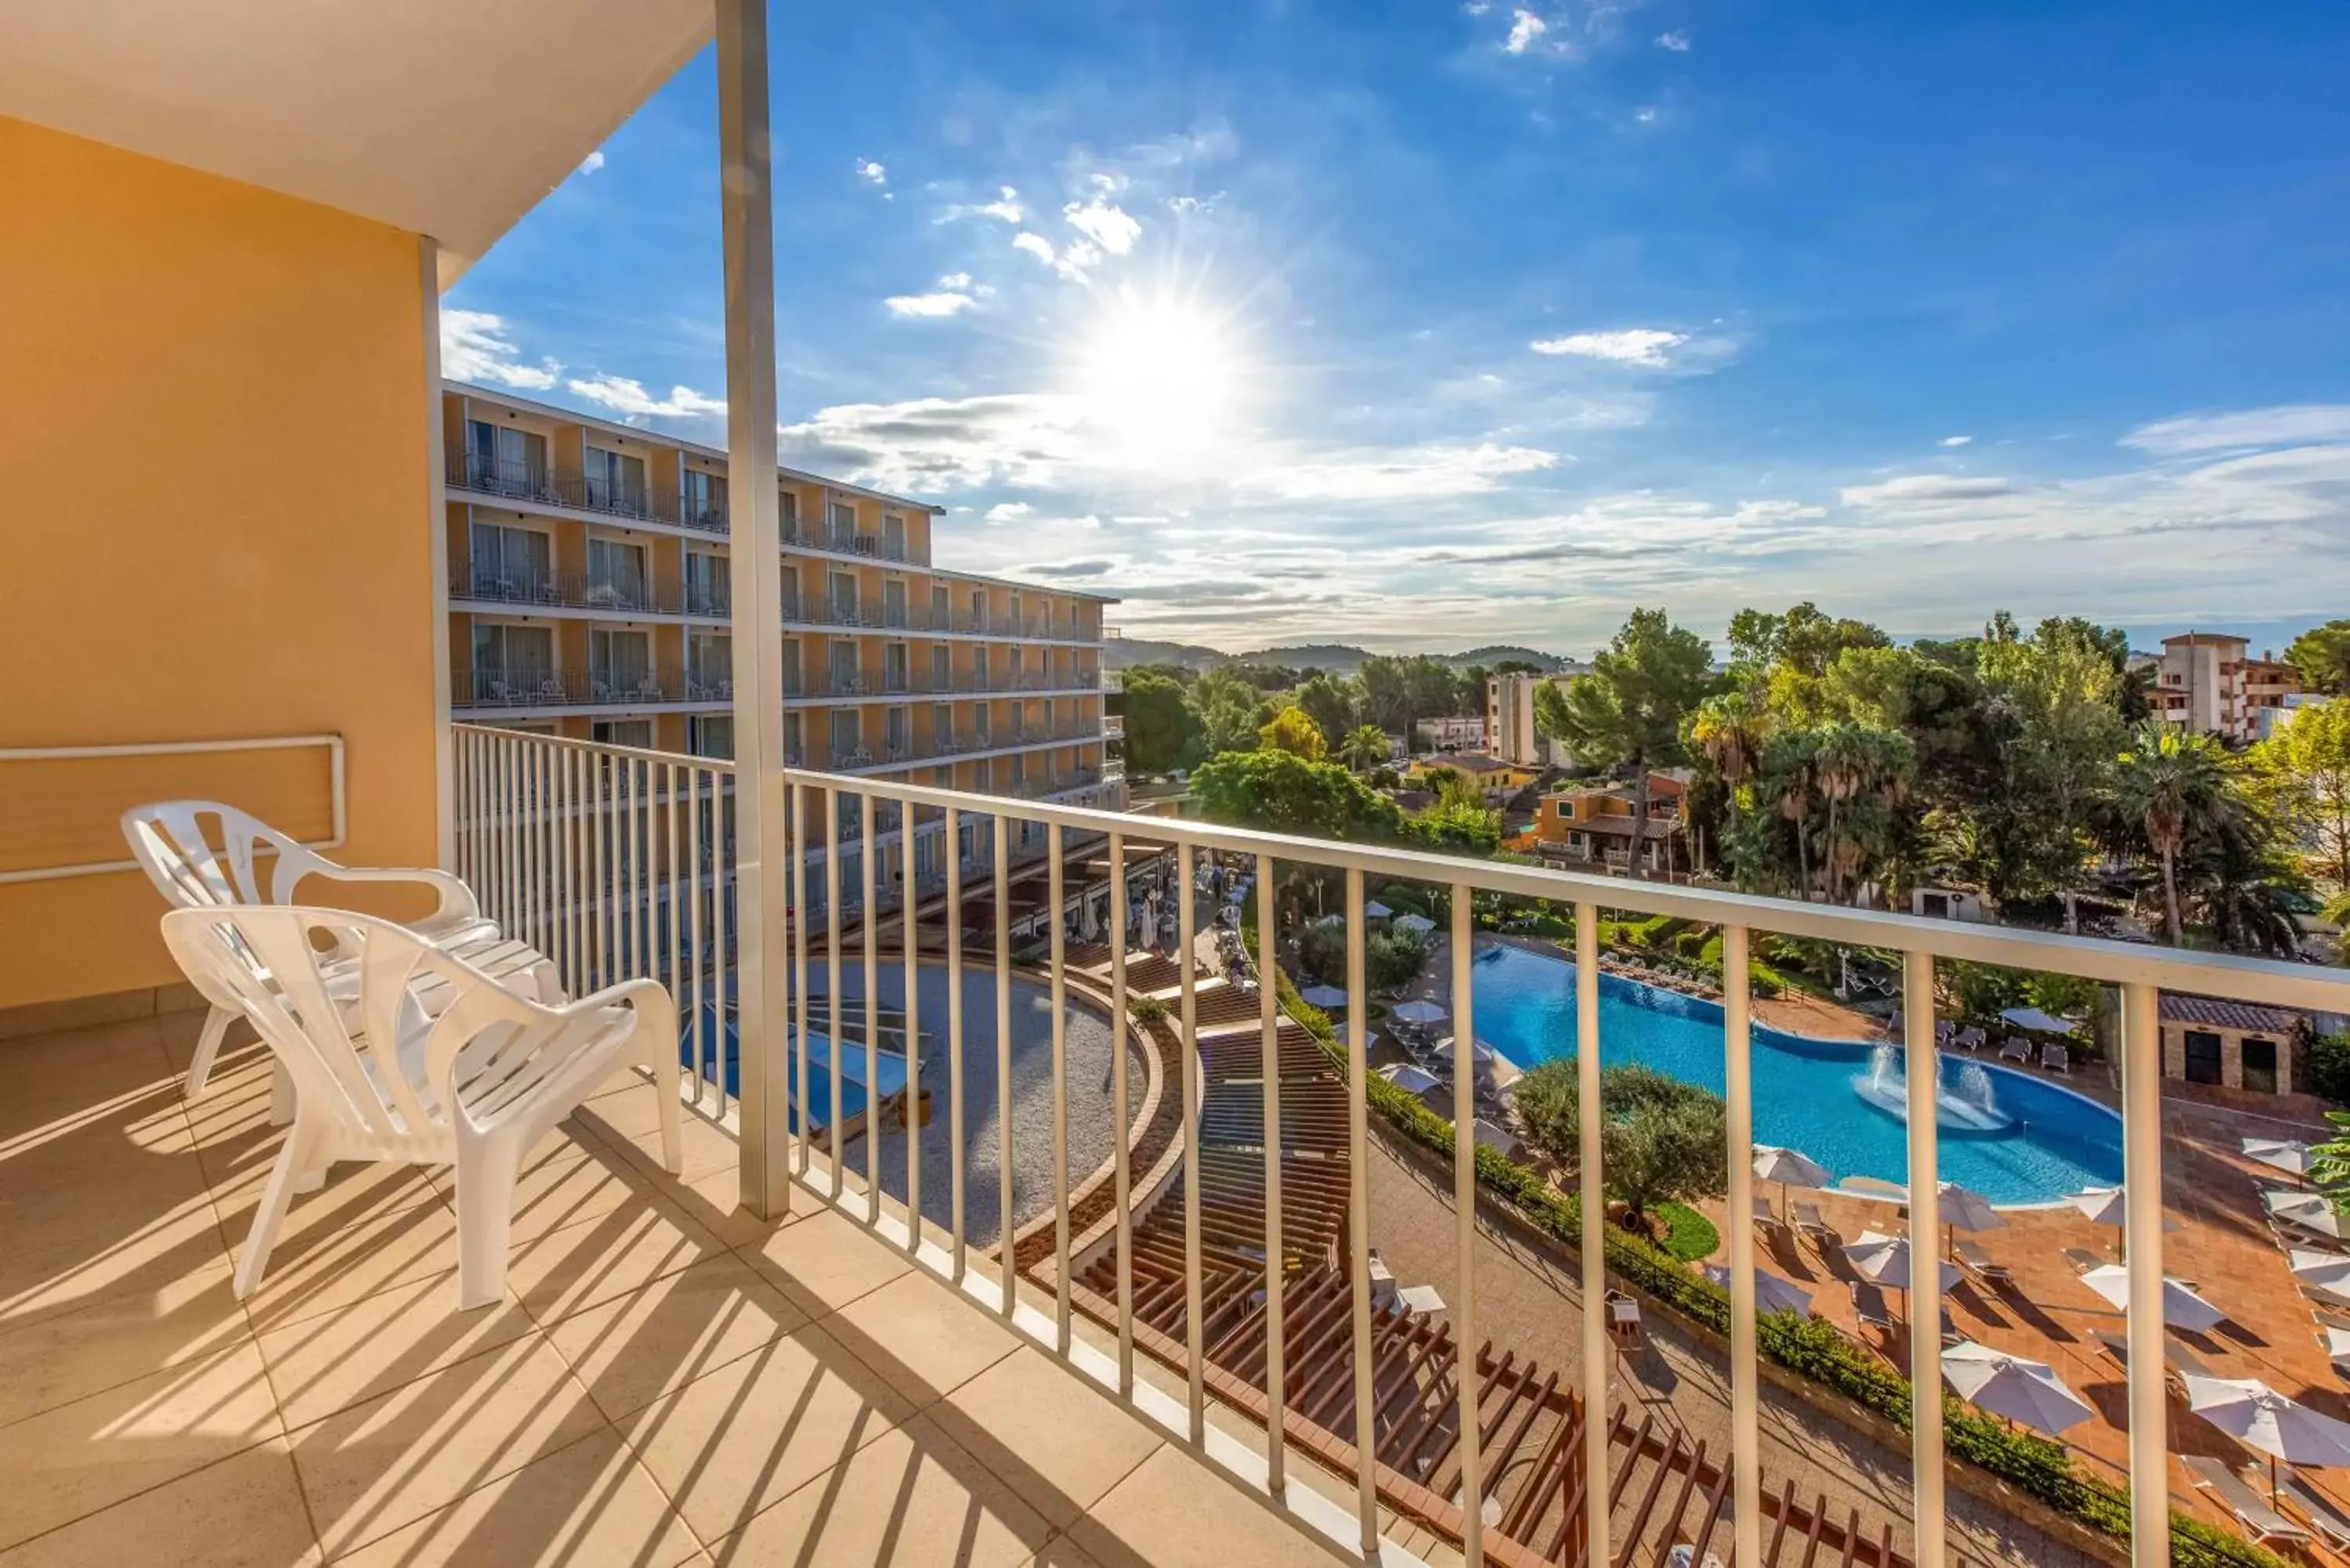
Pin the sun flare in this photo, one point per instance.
(1162, 378)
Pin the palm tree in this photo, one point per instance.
(1730, 730)
(1365, 747)
(2170, 783)
(2337, 914)
(1841, 763)
(1787, 763)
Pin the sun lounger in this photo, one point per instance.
(2056, 1059)
(2251, 1510)
(2017, 1050)
(2317, 1508)
(1980, 1264)
(2083, 1260)
(1869, 1307)
(1765, 1215)
(1970, 1038)
(1810, 1222)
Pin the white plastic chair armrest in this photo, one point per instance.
(649, 999)
(457, 901)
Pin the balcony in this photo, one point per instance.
(485, 689)
(1159, 1260)
(565, 590)
(530, 485)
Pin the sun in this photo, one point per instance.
(1160, 377)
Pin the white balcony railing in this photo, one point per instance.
(619, 863)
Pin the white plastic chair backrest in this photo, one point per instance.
(374, 1062)
(169, 840)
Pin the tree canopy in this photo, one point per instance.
(1660, 1140)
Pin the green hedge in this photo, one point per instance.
(1805, 1345)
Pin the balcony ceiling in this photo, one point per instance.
(447, 118)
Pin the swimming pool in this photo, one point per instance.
(2011, 1137)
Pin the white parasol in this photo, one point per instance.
(1420, 1011)
(1771, 1293)
(2181, 1308)
(2328, 1273)
(2012, 1386)
(2281, 1152)
(2309, 1210)
(1885, 1260)
(2260, 1417)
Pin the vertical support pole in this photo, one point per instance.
(1926, 1258)
(1745, 1392)
(1122, 1172)
(436, 497)
(1055, 874)
(2149, 1441)
(1276, 1323)
(1194, 1334)
(1002, 847)
(1464, 1213)
(1358, 1211)
(746, 200)
(1595, 1234)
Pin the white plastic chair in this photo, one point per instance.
(169, 840)
(431, 1061)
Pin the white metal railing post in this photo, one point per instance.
(1464, 1211)
(1122, 1174)
(957, 1161)
(910, 943)
(1055, 877)
(1594, 1231)
(1269, 1018)
(1195, 1369)
(872, 1013)
(2149, 1441)
(1745, 1392)
(746, 200)
(1358, 1213)
(1003, 845)
(1924, 1071)
(834, 1013)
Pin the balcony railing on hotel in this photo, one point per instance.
(569, 591)
(880, 685)
(620, 863)
(560, 688)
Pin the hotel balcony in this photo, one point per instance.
(814, 612)
(578, 592)
(866, 685)
(549, 489)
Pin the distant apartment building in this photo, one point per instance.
(1511, 732)
(590, 595)
(2205, 683)
(1594, 823)
(1454, 733)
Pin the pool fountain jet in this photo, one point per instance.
(1967, 1104)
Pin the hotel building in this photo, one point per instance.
(590, 596)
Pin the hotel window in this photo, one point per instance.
(979, 723)
(710, 663)
(979, 610)
(893, 536)
(710, 734)
(616, 573)
(846, 734)
(791, 667)
(705, 498)
(899, 727)
(621, 664)
(844, 598)
(794, 755)
(979, 667)
(511, 662)
(638, 733)
(939, 613)
(895, 667)
(941, 724)
(841, 667)
(616, 482)
(511, 564)
(893, 602)
(505, 460)
(843, 518)
(942, 669)
(942, 778)
(709, 586)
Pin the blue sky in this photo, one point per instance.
(1425, 324)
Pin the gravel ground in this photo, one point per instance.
(1090, 1110)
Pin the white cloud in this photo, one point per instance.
(1004, 208)
(2292, 424)
(1645, 114)
(872, 173)
(1036, 245)
(1108, 225)
(1955, 441)
(593, 161)
(1643, 346)
(955, 280)
(1525, 28)
(1406, 472)
(930, 307)
(1927, 489)
(1021, 439)
(1009, 511)
(1678, 41)
(474, 348)
(630, 397)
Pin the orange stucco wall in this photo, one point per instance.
(213, 456)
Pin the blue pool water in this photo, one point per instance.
(2013, 1138)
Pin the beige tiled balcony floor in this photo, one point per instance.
(668, 1381)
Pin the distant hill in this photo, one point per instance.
(1339, 658)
